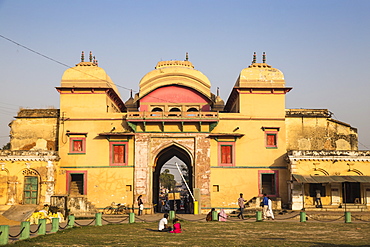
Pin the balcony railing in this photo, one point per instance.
(197, 116)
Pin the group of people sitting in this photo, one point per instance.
(163, 225)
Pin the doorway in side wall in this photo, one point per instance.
(31, 189)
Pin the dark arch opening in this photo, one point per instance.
(157, 109)
(164, 156)
(193, 109)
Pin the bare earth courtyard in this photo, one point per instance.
(231, 233)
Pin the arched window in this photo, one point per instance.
(156, 109)
(175, 109)
(192, 109)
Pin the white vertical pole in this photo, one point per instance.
(187, 186)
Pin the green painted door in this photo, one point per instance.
(30, 190)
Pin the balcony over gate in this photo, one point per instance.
(193, 121)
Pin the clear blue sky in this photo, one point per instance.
(322, 47)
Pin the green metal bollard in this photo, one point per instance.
(98, 219)
(54, 224)
(347, 217)
(214, 216)
(4, 236)
(302, 217)
(258, 216)
(42, 228)
(26, 231)
(131, 218)
(172, 215)
(71, 221)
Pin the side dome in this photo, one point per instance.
(175, 73)
(260, 75)
(87, 75)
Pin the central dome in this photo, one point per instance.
(174, 72)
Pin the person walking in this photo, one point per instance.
(140, 204)
(241, 206)
(265, 203)
(318, 199)
(269, 211)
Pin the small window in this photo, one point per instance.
(271, 139)
(77, 145)
(226, 153)
(128, 188)
(216, 188)
(118, 153)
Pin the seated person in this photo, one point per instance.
(162, 226)
(176, 226)
(209, 215)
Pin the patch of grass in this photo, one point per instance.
(211, 234)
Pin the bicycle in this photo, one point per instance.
(115, 209)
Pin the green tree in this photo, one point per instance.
(167, 180)
(6, 146)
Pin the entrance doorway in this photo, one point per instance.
(177, 198)
(30, 190)
(76, 184)
(351, 192)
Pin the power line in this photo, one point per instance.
(72, 67)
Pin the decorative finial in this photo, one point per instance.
(82, 56)
(264, 57)
(254, 58)
(94, 60)
(131, 93)
(187, 57)
(97, 64)
(218, 91)
(90, 57)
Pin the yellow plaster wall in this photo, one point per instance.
(233, 181)
(251, 148)
(104, 185)
(262, 105)
(77, 105)
(315, 167)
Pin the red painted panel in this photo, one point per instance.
(174, 94)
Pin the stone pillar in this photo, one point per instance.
(335, 193)
(141, 170)
(297, 196)
(12, 193)
(202, 171)
(49, 182)
(366, 187)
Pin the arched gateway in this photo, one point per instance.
(155, 149)
(164, 156)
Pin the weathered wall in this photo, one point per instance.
(16, 165)
(309, 129)
(35, 129)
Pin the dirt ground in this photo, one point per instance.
(6, 221)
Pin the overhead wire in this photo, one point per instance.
(110, 84)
